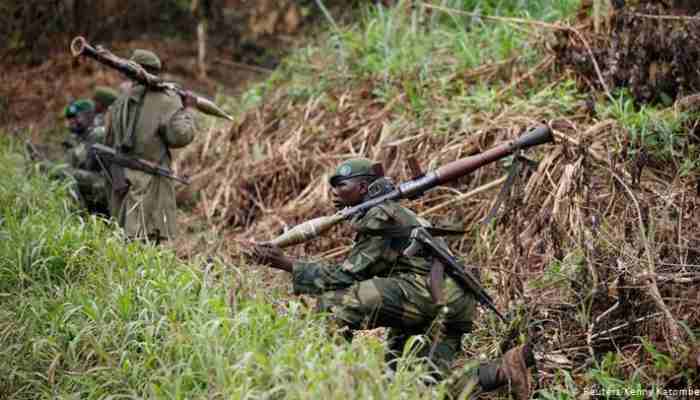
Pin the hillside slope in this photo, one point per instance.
(596, 250)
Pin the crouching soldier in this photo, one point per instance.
(79, 166)
(379, 285)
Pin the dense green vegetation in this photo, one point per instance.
(82, 315)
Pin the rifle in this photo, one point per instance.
(414, 188)
(112, 157)
(463, 277)
(80, 47)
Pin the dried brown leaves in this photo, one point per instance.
(647, 48)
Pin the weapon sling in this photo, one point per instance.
(120, 185)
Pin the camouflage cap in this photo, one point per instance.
(146, 58)
(352, 168)
(105, 95)
(78, 106)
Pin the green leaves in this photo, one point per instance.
(84, 315)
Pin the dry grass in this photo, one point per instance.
(597, 247)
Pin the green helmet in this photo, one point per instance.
(354, 167)
(77, 107)
(146, 59)
(105, 95)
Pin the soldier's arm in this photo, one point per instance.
(367, 258)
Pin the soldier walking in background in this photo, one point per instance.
(378, 285)
(146, 123)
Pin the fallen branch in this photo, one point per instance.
(667, 17)
(234, 64)
(626, 324)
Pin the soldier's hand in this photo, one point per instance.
(189, 99)
(265, 254)
(269, 255)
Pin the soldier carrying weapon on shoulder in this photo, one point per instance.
(149, 119)
(400, 277)
(147, 123)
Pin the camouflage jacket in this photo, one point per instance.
(371, 256)
(76, 148)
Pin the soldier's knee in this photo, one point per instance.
(369, 296)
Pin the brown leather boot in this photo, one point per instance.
(511, 371)
(514, 370)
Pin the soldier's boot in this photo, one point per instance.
(512, 371)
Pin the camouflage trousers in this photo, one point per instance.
(93, 190)
(404, 305)
(87, 187)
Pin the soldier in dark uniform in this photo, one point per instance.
(379, 286)
(79, 166)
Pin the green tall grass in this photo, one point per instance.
(421, 53)
(83, 315)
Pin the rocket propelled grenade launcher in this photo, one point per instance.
(416, 187)
(80, 47)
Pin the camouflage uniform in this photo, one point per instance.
(379, 286)
(79, 166)
(83, 167)
(145, 123)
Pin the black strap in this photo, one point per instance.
(130, 140)
(514, 170)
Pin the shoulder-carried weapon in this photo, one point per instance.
(80, 47)
(111, 156)
(416, 187)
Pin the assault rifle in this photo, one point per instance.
(80, 47)
(457, 271)
(111, 156)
